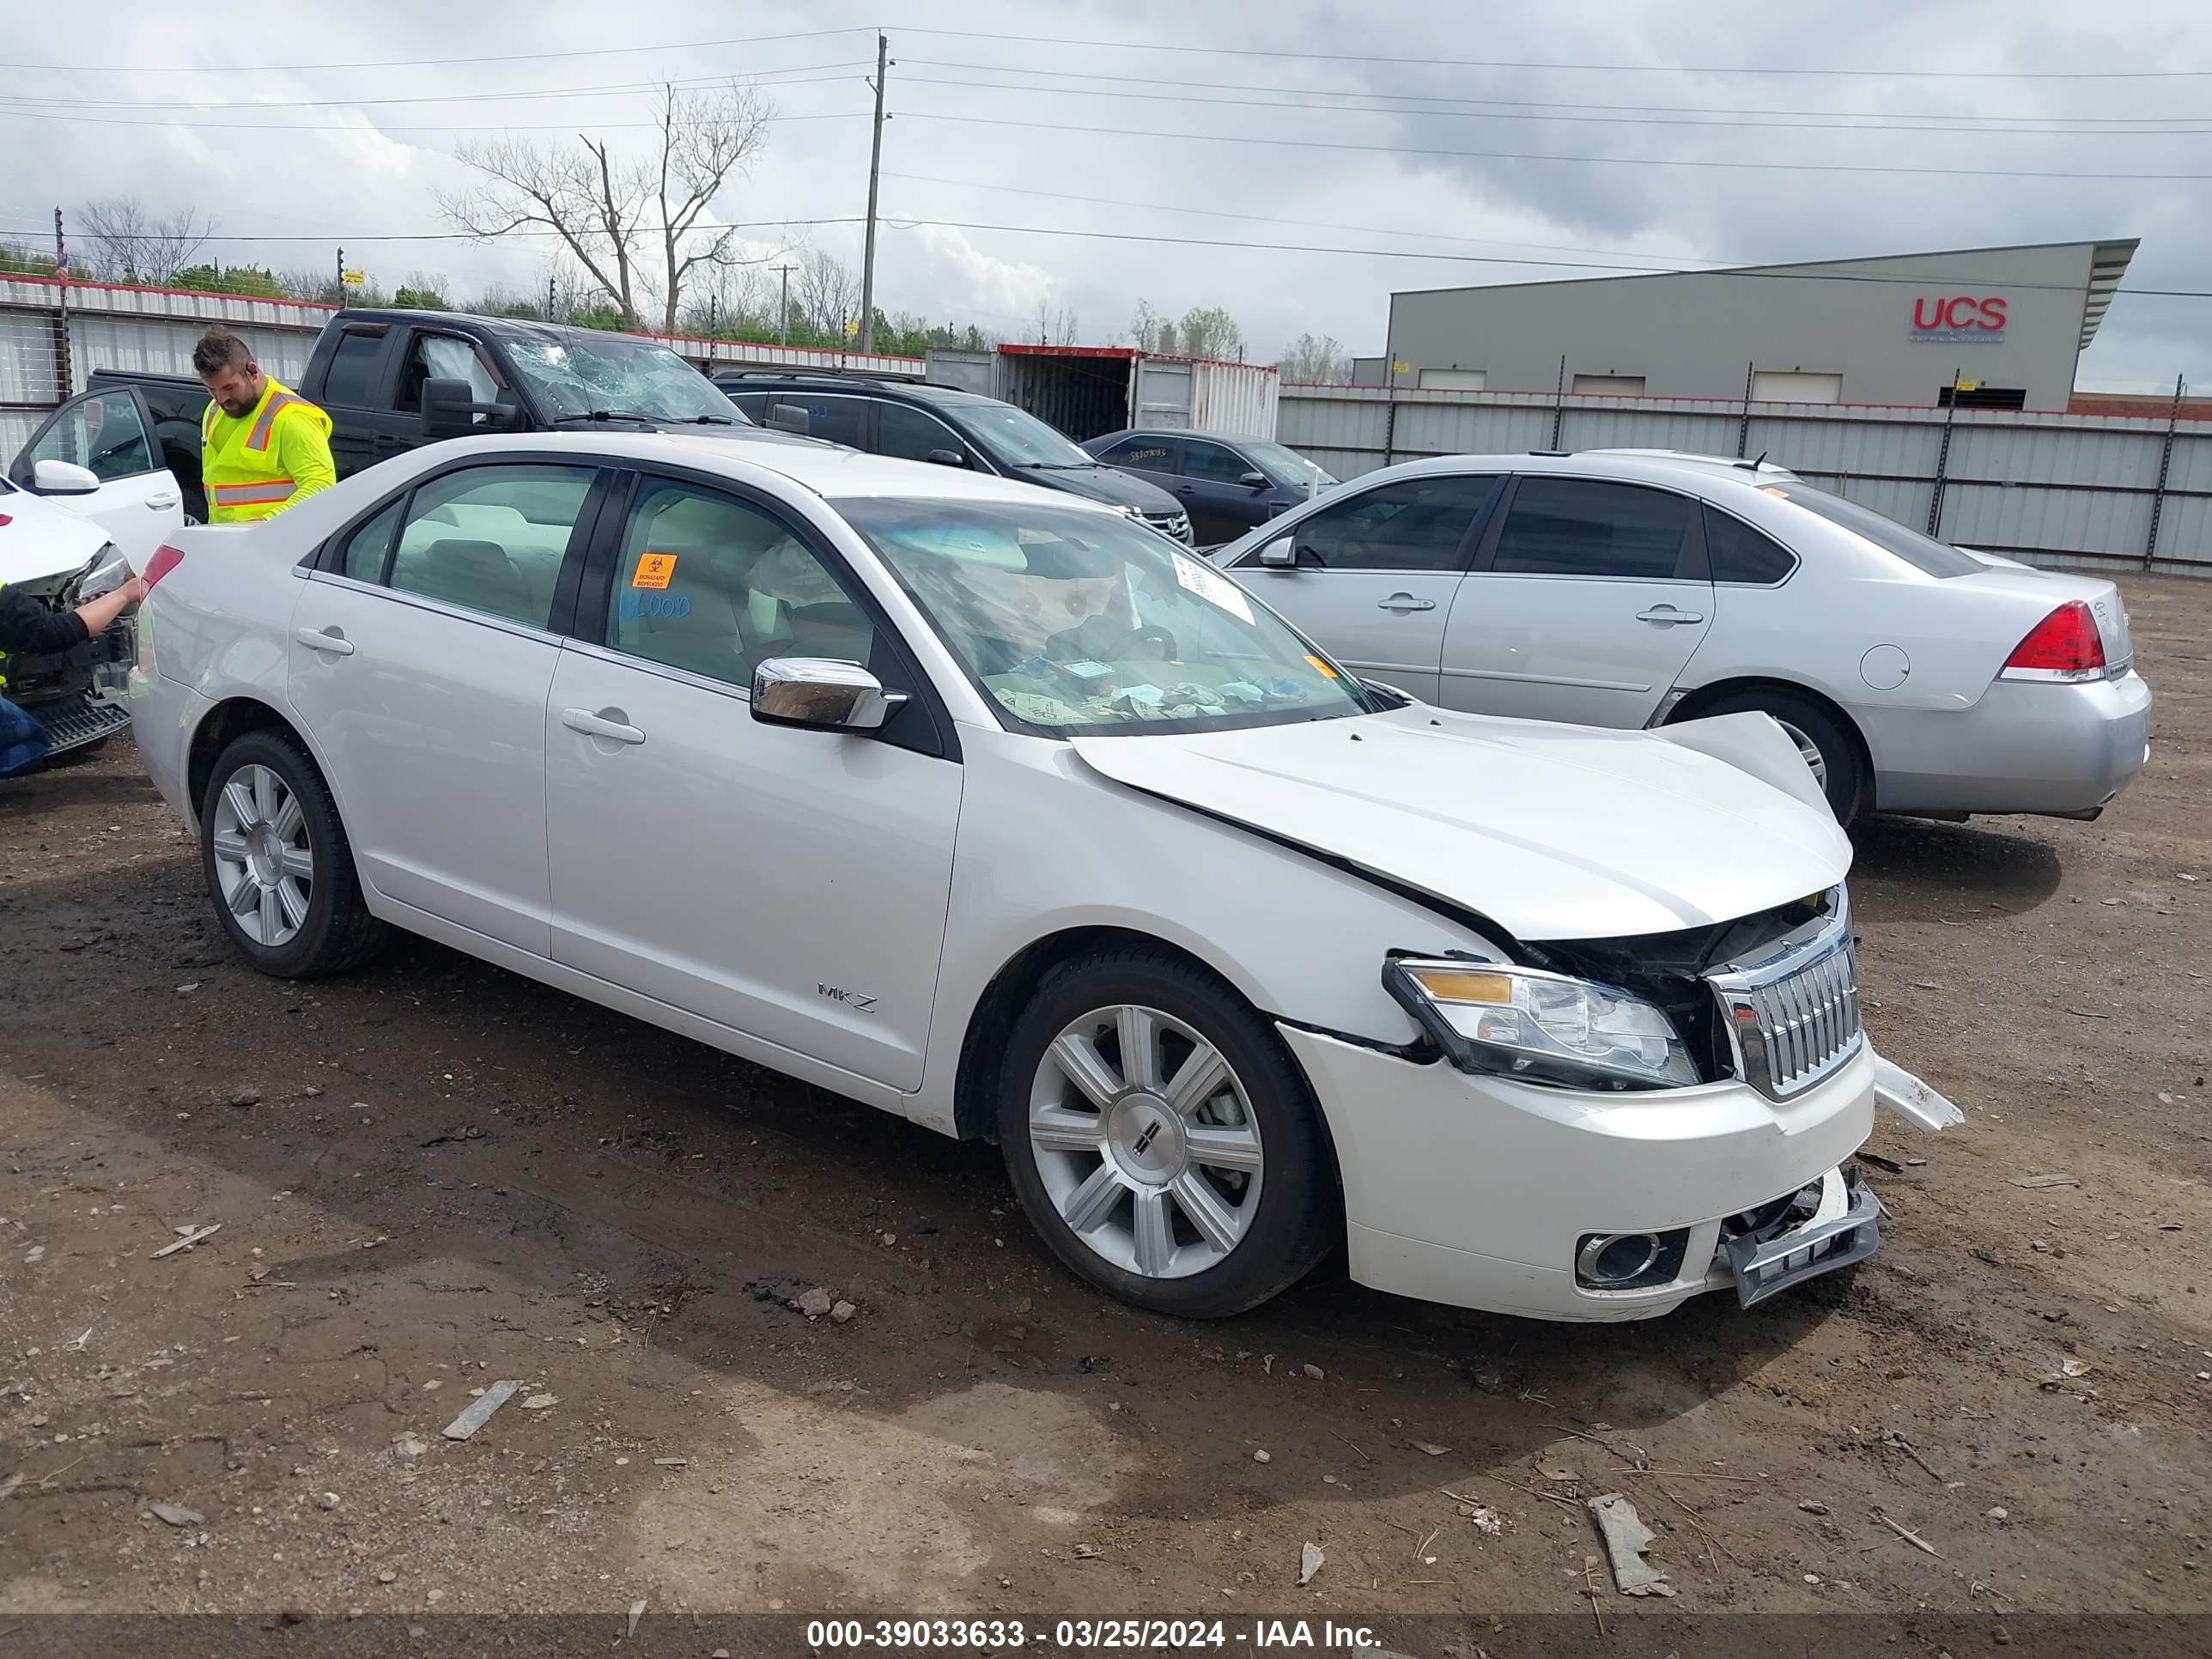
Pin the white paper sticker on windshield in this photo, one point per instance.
(1216, 589)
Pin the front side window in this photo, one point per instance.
(831, 416)
(102, 432)
(714, 586)
(1078, 623)
(910, 434)
(487, 538)
(1584, 527)
(1415, 524)
(443, 357)
(1286, 466)
(1016, 436)
(578, 379)
(1214, 461)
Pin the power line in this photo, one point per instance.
(1526, 155)
(416, 62)
(1521, 103)
(1865, 126)
(372, 126)
(31, 104)
(1594, 69)
(352, 236)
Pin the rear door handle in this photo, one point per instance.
(1405, 602)
(603, 724)
(1666, 613)
(161, 503)
(334, 642)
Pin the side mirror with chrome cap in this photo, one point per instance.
(52, 478)
(1281, 554)
(823, 694)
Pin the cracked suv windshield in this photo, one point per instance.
(1080, 623)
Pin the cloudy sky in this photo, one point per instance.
(1086, 154)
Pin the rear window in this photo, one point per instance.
(1922, 553)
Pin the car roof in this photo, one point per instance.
(1178, 432)
(943, 396)
(1727, 466)
(830, 470)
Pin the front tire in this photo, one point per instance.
(1163, 1143)
(277, 863)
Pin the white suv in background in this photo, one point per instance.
(1628, 589)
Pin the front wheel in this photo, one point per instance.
(1163, 1143)
(277, 863)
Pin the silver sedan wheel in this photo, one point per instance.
(1146, 1142)
(264, 861)
(1810, 750)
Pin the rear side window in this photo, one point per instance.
(1145, 454)
(353, 368)
(490, 539)
(1922, 553)
(1737, 553)
(1415, 524)
(1584, 527)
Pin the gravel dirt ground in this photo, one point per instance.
(434, 1175)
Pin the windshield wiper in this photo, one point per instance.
(703, 420)
(609, 414)
(1057, 466)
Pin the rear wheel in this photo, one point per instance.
(1164, 1145)
(1831, 749)
(277, 863)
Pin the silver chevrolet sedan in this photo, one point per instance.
(1638, 588)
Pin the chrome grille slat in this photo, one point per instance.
(1792, 1011)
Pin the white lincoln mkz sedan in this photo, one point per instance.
(998, 810)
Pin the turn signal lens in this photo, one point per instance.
(2064, 645)
(1457, 985)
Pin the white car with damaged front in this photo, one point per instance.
(996, 811)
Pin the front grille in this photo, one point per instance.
(1791, 1012)
(72, 722)
(1177, 524)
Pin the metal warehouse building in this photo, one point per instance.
(1898, 330)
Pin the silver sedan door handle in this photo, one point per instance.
(1405, 602)
(337, 644)
(601, 725)
(1666, 613)
(162, 502)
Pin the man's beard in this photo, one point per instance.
(239, 412)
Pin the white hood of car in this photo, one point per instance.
(1551, 831)
(41, 539)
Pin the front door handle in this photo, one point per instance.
(162, 502)
(607, 723)
(1405, 602)
(315, 640)
(1668, 614)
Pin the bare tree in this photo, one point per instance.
(1312, 361)
(130, 244)
(826, 292)
(637, 226)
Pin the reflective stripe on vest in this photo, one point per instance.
(276, 405)
(251, 495)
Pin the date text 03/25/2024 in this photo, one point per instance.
(1002, 1635)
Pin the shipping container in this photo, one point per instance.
(1087, 391)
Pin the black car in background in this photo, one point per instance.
(1227, 484)
(918, 422)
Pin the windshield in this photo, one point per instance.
(1922, 553)
(1284, 466)
(1014, 436)
(618, 377)
(1081, 624)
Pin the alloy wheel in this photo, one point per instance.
(1145, 1141)
(264, 860)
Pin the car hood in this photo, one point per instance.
(1552, 832)
(40, 540)
(1101, 483)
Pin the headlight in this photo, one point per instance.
(1523, 1022)
(108, 571)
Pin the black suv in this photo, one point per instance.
(955, 429)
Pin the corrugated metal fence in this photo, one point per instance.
(2085, 491)
(152, 330)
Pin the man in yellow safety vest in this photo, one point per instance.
(262, 448)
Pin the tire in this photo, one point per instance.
(302, 912)
(1841, 772)
(1121, 1160)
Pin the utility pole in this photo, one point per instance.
(341, 295)
(783, 314)
(62, 332)
(875, 169)
(549, 279)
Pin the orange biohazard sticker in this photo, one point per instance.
(653, 570)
